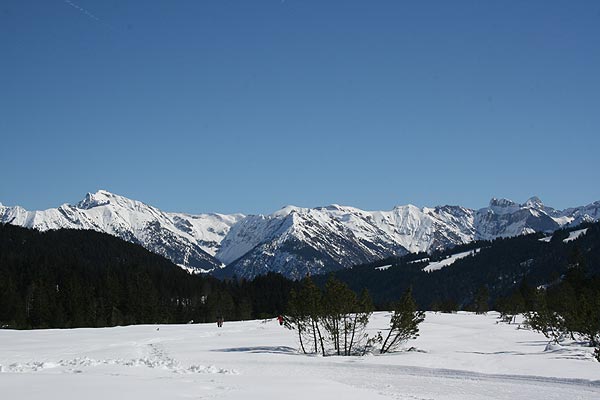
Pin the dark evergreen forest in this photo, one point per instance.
(498, 267)
(74, 278)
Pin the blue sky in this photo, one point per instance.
(246, 106)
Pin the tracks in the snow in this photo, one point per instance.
(408, 382)
(156, 358)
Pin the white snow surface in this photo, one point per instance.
(383, 267)
(420, 260)
(575, 234)
(458, 356)
(434, 266)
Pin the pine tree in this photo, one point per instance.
(544, 320)
(481, 300)
(359, 340)
(339, 301)
(304, 314)
(295, 317)
(509, 307)
(404, 323)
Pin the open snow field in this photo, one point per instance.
(460, 356)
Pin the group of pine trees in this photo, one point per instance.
(71, 278)
(334, 321)
(498, 266)
(568, 309)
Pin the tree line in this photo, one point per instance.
(568, 308)
(496, 270)
(74, 278)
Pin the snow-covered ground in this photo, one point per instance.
(575, 234)
(434, 266)
(461, 356)
(572, 236)
(383, 267)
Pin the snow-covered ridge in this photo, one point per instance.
(190, 240)
(295, 240)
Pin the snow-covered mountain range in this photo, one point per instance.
(187, 240)
(296, 241)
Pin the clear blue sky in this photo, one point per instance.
(246, 106)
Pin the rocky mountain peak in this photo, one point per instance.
(287, 210)
(91, 200)
(534, 202)
(502, 203)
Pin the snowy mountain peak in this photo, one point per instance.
(405, 206)
(91, 200)
(409, 210)
(115, 202)
(503, 206)
(332, 207)
(502, 203)
(287, 210)
(534, 202)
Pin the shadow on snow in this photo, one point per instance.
(260, 349)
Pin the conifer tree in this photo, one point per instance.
(404, 323)
(544, 320)
(510, 306)
(313, 307)
(359, 339)
(304, 314)
(339, 301)
(295, 318)
(481, 300)
(346, 317)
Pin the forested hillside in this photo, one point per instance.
(77, 278)
(495, 269)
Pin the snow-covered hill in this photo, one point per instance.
(296, 241)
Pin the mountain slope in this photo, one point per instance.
(501, 265)
(73, 278)
(188, 240)
(295, 241)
